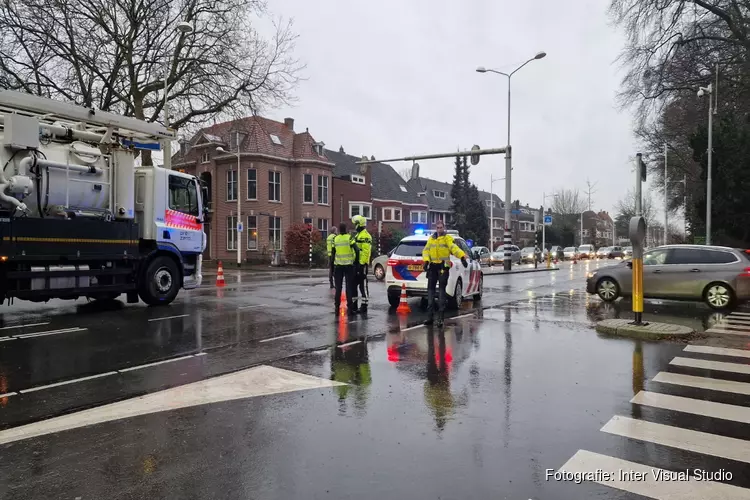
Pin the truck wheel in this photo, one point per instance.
(161, 282)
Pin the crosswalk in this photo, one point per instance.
(735, 323)
(695, 418)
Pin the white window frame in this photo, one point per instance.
(276, 174)
(323, 227)
(231, 232)
(304, 185)
(421, 216)
(232, 181)
(272, 233)
(394, 211)
(361, 209)
(358, 179)
(249, 229)
(205, 156)
(256, 184)
(443, 195)
(323, 189)
(437, 216)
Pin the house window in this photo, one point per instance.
(403, 188)
(233, 144)
(274, 232)
(205, 158)
(274, 186)
(275, 139)
(232, 232)
(358, 179)
(436, 216)
(252, 232)
(439, 194)
(392, 215)
(307, 195)
(418, 217)
(323, 227)
(231, 185)
(585, 232)
(323, 189)
(252, 184)
(363, 209)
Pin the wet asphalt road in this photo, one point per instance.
(508, 389)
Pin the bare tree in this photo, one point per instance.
(405, 173)
(116, 54)
(568, 201)
(625, 208)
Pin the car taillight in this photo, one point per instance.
(745, 273)
(392, 262)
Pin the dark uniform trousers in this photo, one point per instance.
(360, 276)
(437, 274)
(330, 270)
(341, 273)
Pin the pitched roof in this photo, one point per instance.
(345, 164)
(387, 184)
(258, 135)
(422, 184)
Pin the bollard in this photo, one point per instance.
(637, 233)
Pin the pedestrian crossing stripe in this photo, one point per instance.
(718, 485)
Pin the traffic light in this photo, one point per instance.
(642, 168)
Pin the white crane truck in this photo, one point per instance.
(79, 219)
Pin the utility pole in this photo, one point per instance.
(666, 198)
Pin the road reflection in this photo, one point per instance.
(350, 365)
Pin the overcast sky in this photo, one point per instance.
(394, 78)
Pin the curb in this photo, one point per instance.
(652, 331)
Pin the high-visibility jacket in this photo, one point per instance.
(364, 242)
(438, 249)
(329, 243)
(344, 250)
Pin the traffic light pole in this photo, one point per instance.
(637, 235)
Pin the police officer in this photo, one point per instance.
(345, 254)
(437, 261)
(329, 248)
(364, 242)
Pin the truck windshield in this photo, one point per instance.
(183, 196)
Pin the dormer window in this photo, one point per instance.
(318, 148)
(275, 139)
(358, 179)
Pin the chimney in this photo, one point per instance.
(341, 149)
(183, 146)
(415, 171)
(372, 157)
(289, 122)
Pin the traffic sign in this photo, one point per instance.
(515, 212)
(547, 220)
(475, 158)
(239, 227)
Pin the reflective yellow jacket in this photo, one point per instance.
(439, 249)
(364, 242)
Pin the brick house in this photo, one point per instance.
(375, 191)
(284, 178)
(597, 228)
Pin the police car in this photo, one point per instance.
(405, 266)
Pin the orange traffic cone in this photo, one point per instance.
(574, 260)
(403, 306)
(342, 304)
(220, 276)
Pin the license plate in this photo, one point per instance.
(414, 268)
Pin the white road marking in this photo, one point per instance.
(201, 354)
(739, 321)
(257, 381)
(50, 332)
(711, 384)
(155, 363)
(66, 382)
(587, 462)
(24, 326)
(730, 326)
(282, 336)
(251, 306)
(413, 328)
(349, 343)
(739, 314)
(170, 317)
(8, 394)
(718, 329)
(4, 339)
(694, 406)
(719, 351)
(677, 437)
(462, 316)
(711, 365)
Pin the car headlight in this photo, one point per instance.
(590, 274)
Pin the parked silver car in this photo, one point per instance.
(720, 276)
(379, 265)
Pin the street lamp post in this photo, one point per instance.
(508, 165)
(711, 112)
(184, 29)
(239, 190)
(492, 206)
